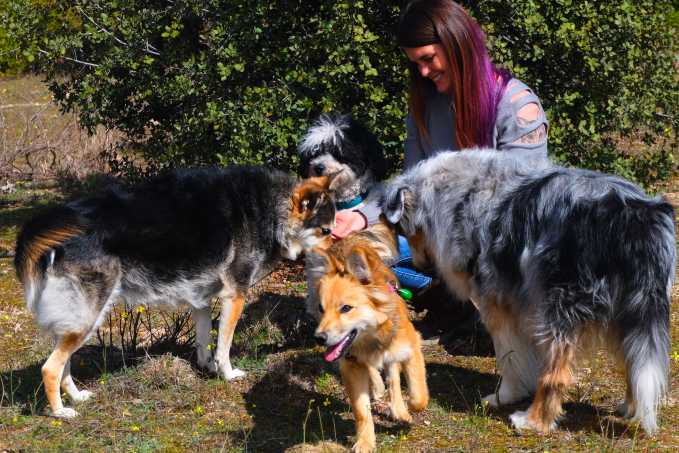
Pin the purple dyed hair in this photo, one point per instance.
(477, 84)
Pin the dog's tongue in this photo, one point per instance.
(334, 352)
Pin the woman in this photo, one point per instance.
(458, 99)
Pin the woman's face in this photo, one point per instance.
(432, 63)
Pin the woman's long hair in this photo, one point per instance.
(476, 84)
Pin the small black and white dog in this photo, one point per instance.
(340, 144)
(179, 239)
(553, 258)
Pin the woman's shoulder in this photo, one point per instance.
(513, 89)
(521, 122)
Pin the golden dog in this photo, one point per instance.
(364, 323)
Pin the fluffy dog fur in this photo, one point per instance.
(183, 238)
(551, 256)
(339, 144)
(365, 324)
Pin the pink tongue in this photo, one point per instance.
(335, 351)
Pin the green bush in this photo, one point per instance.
(47, 18)
(222, 81)
(606, 74)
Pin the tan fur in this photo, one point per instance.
(389, 340)
(53, 369)
(553, 382)
(40, 245)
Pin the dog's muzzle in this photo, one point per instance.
(321, 338)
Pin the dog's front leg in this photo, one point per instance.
(356, 380)
(376, 383)
(398, 408)
(231, 311)
(202, 317)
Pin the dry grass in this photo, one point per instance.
(37, 142)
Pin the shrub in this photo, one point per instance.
(223, 81)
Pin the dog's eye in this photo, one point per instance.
(325, 231)
(346, 308)
(320, 308)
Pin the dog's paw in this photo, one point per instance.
(82, 395)
(491, 400)
(65, 412)
(363, 446)
(209, 365)
(401, 415)
(521, 422)
(234, 373)
(624, 410)
(377, 390)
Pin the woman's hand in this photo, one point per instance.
(346, 222)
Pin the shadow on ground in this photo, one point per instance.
(23, 387)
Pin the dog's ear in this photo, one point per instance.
(333, 181)
(394, 203)
(309, 194)
(362, 264)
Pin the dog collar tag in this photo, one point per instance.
(405, 293)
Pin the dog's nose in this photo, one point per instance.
(319, 169)
(325, 231)
(321, 338)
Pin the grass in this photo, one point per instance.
(153, 398)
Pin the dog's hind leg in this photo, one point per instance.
(53, 373)
(202, 317)
(231, 310)
(356, 380)
(416, 376)
(553, 382)
(69, 386)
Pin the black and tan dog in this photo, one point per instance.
(179, 239)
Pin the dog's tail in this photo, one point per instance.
(644, 318)
(37, 245)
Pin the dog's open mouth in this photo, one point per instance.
(336, 351)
